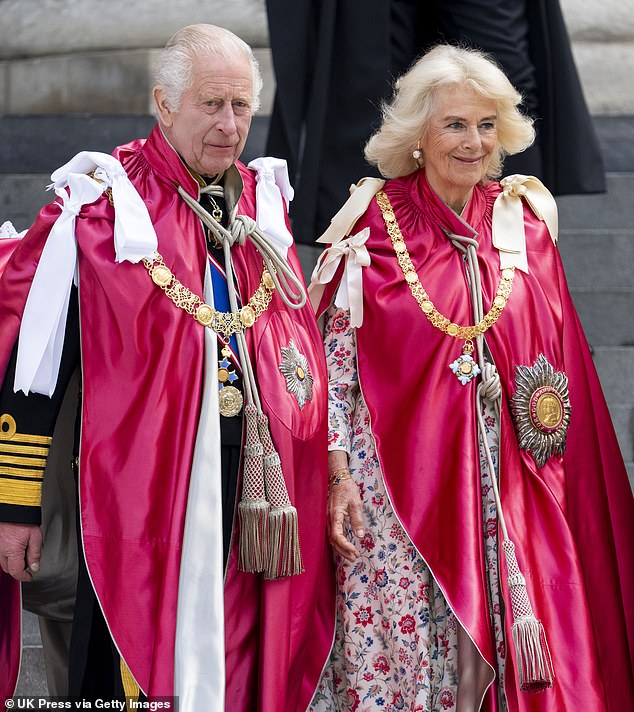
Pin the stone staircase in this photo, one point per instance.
(596, 241)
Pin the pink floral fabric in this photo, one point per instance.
(395, 644)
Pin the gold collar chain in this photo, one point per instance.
(465, 367)
(224, 323)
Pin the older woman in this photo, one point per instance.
(479, 505)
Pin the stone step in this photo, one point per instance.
(612, 210)
(598, 259)
(615, 367)
(32, 681)
(607, 317)
(21, 197)
(596, 242)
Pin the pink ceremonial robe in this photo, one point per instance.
(572, 520)
(142, 361)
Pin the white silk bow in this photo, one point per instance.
(350, 292)
(344, 220)
(509, 236)
(134, 236)
(43, 324)
(273, 187)
(353, 249)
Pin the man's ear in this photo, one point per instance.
(165, 114)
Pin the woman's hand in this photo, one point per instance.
(344, 501)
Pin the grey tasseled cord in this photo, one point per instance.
(290, 287)
(269, 533)
(536, 671)
(490, 387)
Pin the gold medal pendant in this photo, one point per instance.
(465, 368)
(229, 401)
(229, 397)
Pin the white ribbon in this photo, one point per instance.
(350, 292)
(199, 651)
(509, 236)
(134, 236)
(273, 194)
(44, 321)
(8, 231)
(342, 223)
(43, 324)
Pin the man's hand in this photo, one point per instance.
(20, 549)
(344, 501)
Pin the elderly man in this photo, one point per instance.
(168, 271)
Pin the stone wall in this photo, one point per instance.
(602, 36)
(65, 56)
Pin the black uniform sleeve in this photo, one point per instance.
(26, 428)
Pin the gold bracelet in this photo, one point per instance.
(339, 475)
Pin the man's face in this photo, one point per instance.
(210, 127)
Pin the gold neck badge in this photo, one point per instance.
(224, 323)
(464, 366)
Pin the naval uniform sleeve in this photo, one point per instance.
(26, 429)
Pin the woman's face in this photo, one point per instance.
(459, 142)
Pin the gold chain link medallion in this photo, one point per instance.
(229, 401)
(224, 323)
(464, 367)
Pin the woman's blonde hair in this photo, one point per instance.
(406, 118)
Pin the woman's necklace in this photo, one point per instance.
(464, 367)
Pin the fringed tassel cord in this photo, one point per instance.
(529, 637)
(268, 527)
(279, 536)
(285, 558)
(253, 509)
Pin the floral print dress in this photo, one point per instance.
(396, 639)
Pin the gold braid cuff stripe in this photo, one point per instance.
(223, 323)
(33, 450)
(16, 472)
(21, 492)
(25, 461)
(130, 685)
(420, 295)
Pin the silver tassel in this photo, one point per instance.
(531, 647)
(253, 509)
(285, 558)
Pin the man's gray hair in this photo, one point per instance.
(174, 66)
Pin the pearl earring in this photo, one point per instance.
(416, 154)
